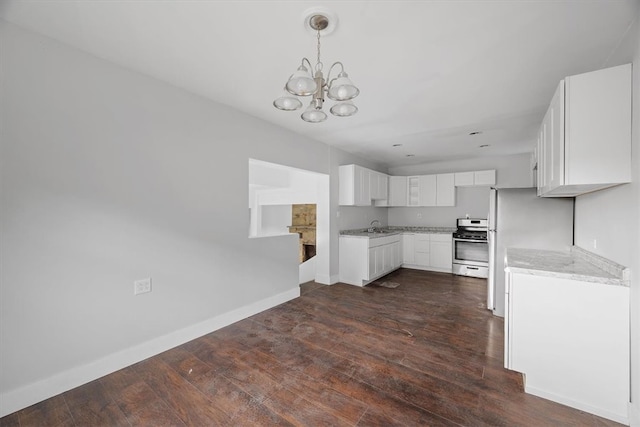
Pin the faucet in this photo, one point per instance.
(372, 226)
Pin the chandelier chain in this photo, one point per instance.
(319, 64)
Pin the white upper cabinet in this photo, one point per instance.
(397, 191)
(485, 178)
(427, 190)
(363, 187)
(552, 134)
(584, 143)
(475, 178)
(431, 190)
(354, 186)
(445, 189)
(379, 185)
(358, 186)
(464, 179)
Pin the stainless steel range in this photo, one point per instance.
(470, 248)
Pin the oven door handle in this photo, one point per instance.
(455, 239)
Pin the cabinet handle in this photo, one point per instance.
(472, 268)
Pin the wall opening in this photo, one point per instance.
(285, 200)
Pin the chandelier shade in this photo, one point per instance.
(313, 114)
(342, 88)
(287, 102)
(301, 83)
(305, 83)
(344, 109)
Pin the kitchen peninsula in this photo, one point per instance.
(567, 328)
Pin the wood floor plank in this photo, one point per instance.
(91, 404)
(52, 411)
(192, 406)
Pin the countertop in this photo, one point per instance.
(576, 264)
(393, 230)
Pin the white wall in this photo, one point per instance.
(612, 216)
(511, 171)
(276, 219)
(108, 176)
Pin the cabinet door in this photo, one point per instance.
(413, 191)
(387, 258)
(408, 248)
(378, 183)
(354, 186)
(555, 143)
(397, 254)
(397, 191)
(552, 136)
(599, 126)
(427, 190)
(486, 178)
(464, 179)
(441, 256)
(541, 163)
(362, 184)
(383, 186)
(376, 261)
(422, 249)
(445, 189)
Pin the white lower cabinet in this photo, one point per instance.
(571, 340)
(440, 246)
(408, 248)
(363, 260)
(422, 249)
(427, 251)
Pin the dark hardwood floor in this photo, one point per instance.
(425, 353)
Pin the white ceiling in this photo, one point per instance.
(429, 72)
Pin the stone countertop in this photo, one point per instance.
(576, 264)
(393, 230)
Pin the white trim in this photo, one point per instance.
(620, 418)
(25, 396)
(634, 414)
(326, 279)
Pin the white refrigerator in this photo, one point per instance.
(518, 218)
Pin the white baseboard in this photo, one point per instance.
(30, 394)
(620, 418)
(634, 414)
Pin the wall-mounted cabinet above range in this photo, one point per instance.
(475, 178)
(584, 142)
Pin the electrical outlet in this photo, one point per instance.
(142, 286)
(419, 215)
(595, 244)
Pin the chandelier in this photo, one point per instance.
(305, 83)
